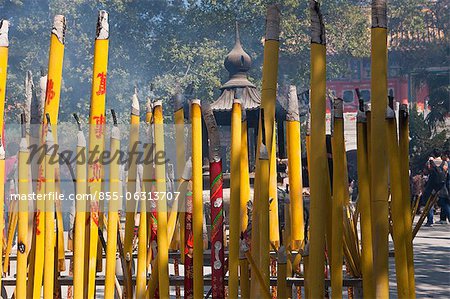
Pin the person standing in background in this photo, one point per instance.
(444, 193)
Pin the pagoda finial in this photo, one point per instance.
(238, 37)
(237, 63)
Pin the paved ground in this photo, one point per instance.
(431, 258)
(431, 261)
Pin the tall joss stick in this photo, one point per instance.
(96, 138)
(148, 174)
(244, 279)
(141, 273)
(216, 197)
(12, 223)
(113, 212)
(50, 237)
(339, 194)
(36, 107)
(149, 111)
(282, 289)
(264, 174)
(182, 189)
(141, 270)
(80, 214)
(51, 107)
(398, 221)
(404, 173)
(255, 286)
(379, 168)
(4, 43)
(318, 169)
(197, 194)
(234, 223)
(181, 158)
(160, 174)
(308, 142)
(188, 246)
(295, 170)
(274, 226)
(131, 187)
(22, 244)
(270, 71)
(364, 203)
(245, 176)
(268, 99)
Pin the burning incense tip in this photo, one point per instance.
(135, 105)
(59, 28)
(114, 117)
(102, 25)
(390, 113)
(361, 115)
(213, 132)
(273, 22)
(149, 106)
(157, 103)
(81, 140)
(2, 150)
(379, 14)
(368, 107)
(187, 171)
(4, 28)
(338, 108)
(292, 113)
(317, 25)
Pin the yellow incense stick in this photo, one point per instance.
(160, 175)
(197, 194)
(379, 170)
(244, 278)
(180, 159)
(268, 99)
(404, 156)
(340, 183)
(274, 227)
(282, 290)
(96, 138)
(294, 170)
(51, 108)
(318, 168)
(4, 43)
(22, 244)
(264, 217)
(113, 213)
(399, 234)
(235, 229)
(364, 206)
(245, 176)
(80, 216)
(50, 237)
(131, 187)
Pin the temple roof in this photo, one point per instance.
(250, 99)
(237, 63)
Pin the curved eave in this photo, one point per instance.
(251, 99)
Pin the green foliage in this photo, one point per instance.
(438, 99)
(424, 141)
(173, 42)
